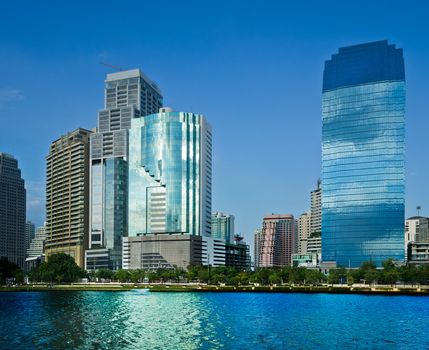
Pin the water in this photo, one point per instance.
(129, 320)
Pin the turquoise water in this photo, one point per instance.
(129, 320)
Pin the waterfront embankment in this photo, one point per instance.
(332, 289)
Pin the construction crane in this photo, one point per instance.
(112, 66)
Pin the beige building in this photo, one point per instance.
(316, 209)
(155, 251)
(67, 195)
(304, 223)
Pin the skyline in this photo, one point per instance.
(219, 91)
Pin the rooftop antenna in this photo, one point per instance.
(418, 210)
(112, 66)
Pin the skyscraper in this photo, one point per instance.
(12, 210)
(316, 210)
(223, 226)
(276, 242)
(30, 231)
(170, 174)
(128, 95)
(37, 243)
(170, 183)
(67, 195)
(257, 242)
(304, 221)
(363, 155)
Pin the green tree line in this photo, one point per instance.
(61, 268)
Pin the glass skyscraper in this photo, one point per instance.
(12, 210)
(128, 95)
(363, 155)
(170, 174)
(223, 226)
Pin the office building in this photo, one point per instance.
(416, 231)
(170, 181)
(67, 195)
(35, 252)
(166, 251)
(170, 174)
(237, 254)
(12, 211)
(37, 244)
(257, 243)
(418, 253)
(276, 243)
(363, 155)
(223, 226)
(314, 246)
(316, 209)
(30, 231)
(128, 95)
(303, 228)
(307, 260)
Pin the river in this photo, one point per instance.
(133, 320)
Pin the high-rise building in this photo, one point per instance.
(12, 210)
(276, 243)
(169, 187)
(257, 243)
(128, 95)
(303, 227)
(67, 195)
(223, 226)
(416, 230)
(316, 210)
(37, 244)
(35, 253)
(237, 254)
(30, 231)
(363, 155)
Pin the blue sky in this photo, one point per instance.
(254, 68)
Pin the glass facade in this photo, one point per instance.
(169, 174)
(128, 95)
(363, 155)
(223, 226)
(12, 210)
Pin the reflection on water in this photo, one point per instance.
(129, 320)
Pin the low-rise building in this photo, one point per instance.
(418, 252)
(168, 251)
(305, 260)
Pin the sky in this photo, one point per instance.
(253, 68)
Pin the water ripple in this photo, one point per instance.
(106, 320)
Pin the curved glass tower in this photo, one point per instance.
(169, 175)
(363, 155)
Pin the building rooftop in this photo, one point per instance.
(132, 73)
(363, 64)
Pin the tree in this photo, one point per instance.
(203, 275)
(60, 268)
(371, 276)
(313, 276)
(274, 278)
(122, 275)
(337, 275)
(9, 269)
(297, 275)
(261, 275)
(105, 274)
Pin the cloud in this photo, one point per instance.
(9, 95)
